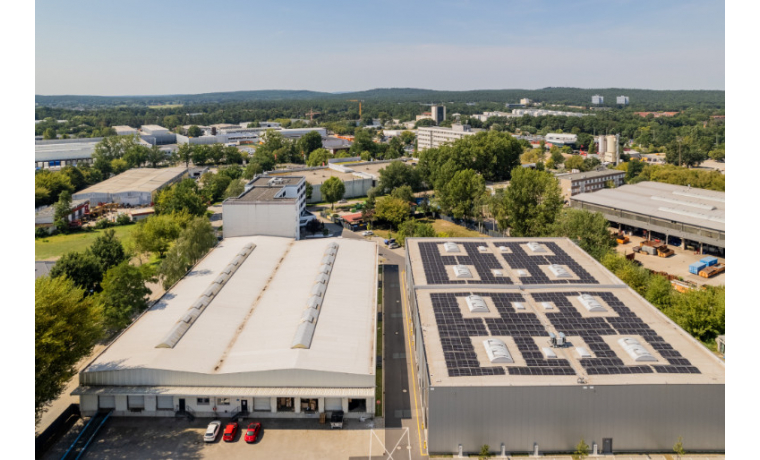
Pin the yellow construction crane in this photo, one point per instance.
(360, 105)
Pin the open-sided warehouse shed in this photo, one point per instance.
(270, 325)
(532, 344)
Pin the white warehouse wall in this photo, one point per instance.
(247, 219)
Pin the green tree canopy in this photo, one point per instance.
(82, 268)
(529, 206)
(403, 193)
(108, 250)
(575, 162)
(156, 233)
(398, 174)
(194, 131)
(392, 210)
(252, 169)
(124, 294)
(332, 190)
(235, 188)
(193, 243)
(461, 195)
(181, 197)
(588, 229)
(413, 228)
(318, 157)
(309, 142)
(67, 324)
(363, 142)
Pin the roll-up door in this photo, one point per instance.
(136, 402)
(262, 404)
(333, 404)
(106, 402)
(165, 402)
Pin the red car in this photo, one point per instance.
(252, 433)
(230, 431)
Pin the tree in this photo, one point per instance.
(232, 156)
(592, 148)
(485, 452)
(587, 229)
(200, 154)
(392, 210)
(678, 448)
(54, 183)
(363, 142)
(460, 195)
(180, 197)
(185, 154)
(252, 169)
(82, 268)
(397, 174)
(49, 134)
(124, 294)
(407, 137)
(717, 154)
(76, 177)
(62, 208)
(529, 206)
(119, 165)
(318, 157)
(332, 190)
(309, 142)
(557, 157)
(634, 169)
(156, 233)
(66, 327)
(395, 149)
(590, 163)
(215, 185)
(581, 450)
(194, 131)
(193, 243)
(135, 155)
(403, 193)
(532, 156)
(309, 190)
(235, 188)
(108, 250)
(265, 159)
(574, 162)
(424, 122)
(701, 312)
(155, 156)
(412, 228)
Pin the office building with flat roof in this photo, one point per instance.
(529, 344)
(589, 181)
(430, 137)
(271, 206)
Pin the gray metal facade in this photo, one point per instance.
(637, 417)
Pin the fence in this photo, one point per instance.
(55, 430)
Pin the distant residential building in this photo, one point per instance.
(429, 137)
(439, 113)
(271, 206)
(336, 144)
(657, 114)
(525, 101)
(597, 99)
(561, 138)
(590, 181)
(486, 115)
(622, 100)
(543, 112)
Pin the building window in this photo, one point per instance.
(202, 401)
(222, 401)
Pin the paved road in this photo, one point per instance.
(397, 401)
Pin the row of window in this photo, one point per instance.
(207, 401)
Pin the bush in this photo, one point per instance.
(102, 223)
(123, 219)
(40, 232)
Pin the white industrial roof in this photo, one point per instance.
(689, 205)
(248, 327)
(134, 180)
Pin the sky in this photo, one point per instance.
(189, 47)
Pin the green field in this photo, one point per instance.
(53, 247)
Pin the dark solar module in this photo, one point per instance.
(435, 265)
(519, 259)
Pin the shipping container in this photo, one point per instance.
(709, 261)
(696, 267)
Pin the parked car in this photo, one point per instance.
(367, 233)
(212, 431)
(252, 432)
(230, 431)
(393, 245)
(342, 201)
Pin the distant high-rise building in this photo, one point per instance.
(597, 99)
(623, 100)
(438, 112)
(525, 101)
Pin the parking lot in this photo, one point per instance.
(170, 438)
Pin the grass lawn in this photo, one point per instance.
(53, 247)
(452, 230)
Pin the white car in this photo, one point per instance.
(367, 233)
(212, 431)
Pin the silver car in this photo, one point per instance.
(212, 431)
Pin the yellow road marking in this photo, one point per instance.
(411, 365)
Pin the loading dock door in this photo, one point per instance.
(333, 404)
(165, 402)
(262, 404)
(106, 402)
(136, 402)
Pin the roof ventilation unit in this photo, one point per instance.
(476, 304)
(559, 271)
(561, 339)
(450, 247)
(497, 272)
(310, 315)
(482, 249)
(503, 249)
(324, 269)
(522, 273)
(536, 247)
(461, 271)
(636, 350)
(212, 290)
(304, 334)
(314, 301)
(591, 303)
(497, 351)
(322, 278)
(518, 305)
(318, 290)
(174, 335)
(238, 260)
(221, 279)
(328, 260)
(547, 305)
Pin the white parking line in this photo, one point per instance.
(392, 451)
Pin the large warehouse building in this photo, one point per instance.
(530, 344)
(695, 217)
(134, 186)
(265, 325)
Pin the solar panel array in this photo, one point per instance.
(568, 320)
(519, 259)
(434, 264)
